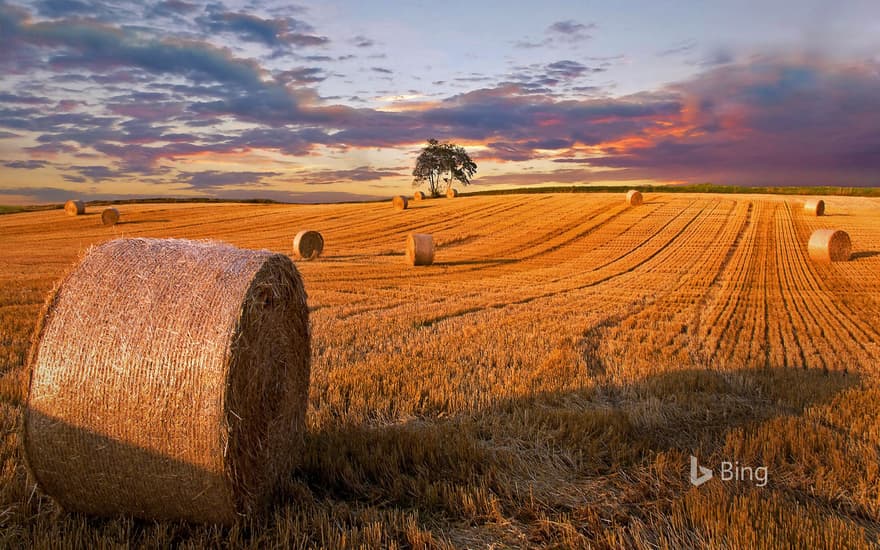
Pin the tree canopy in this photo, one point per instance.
(440, 163)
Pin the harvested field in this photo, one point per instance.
(541, 384)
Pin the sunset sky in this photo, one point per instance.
(331, 101)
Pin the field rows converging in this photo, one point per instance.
(560, 350)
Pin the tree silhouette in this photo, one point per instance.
(442, 162)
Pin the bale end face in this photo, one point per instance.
(814, 207)
(829, 245)
(169, 381)
(74, 208)
(308, 245)
(110, 216)
(451, 193)
(634, 198)
(418, 196)
(400, 202)
(419, 249)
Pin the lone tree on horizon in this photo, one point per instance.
(443, 162)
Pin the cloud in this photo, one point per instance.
(276, 32)
(361, 41)
(98, 173)
(359, 174)
(96, 9)
(567, 31)
(682, 47)
(564, 176)
(173, 8)
(772, 121)
(570, 30)
(25, 164)
(6, 97)
(303, 75)
(569, 27)
(96, 46)
(212, 179)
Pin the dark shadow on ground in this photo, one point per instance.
(580, 434)
(499, 261)
(139, 222)
(864, 254)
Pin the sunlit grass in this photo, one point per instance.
(543, 384)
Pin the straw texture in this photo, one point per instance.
(400, 202)
(829, 245)
(633, 198)
(419, 249)
(74, 208)
(169, 380)
(110, 216)
(814, 207)
(418, 196)
(308, 245)
(451, 193)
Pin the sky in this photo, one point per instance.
(332, 101)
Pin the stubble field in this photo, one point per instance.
(542, 384)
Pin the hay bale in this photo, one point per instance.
(418, 196)
(110, 216)
(419, 249)
(633, 198)
(829, 245)
(169, 381)
(451, 193)
(308, 245)
(400, 202)
(814, 207)
(75, 208)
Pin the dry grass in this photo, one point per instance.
(110, 216)
(549, 384)
(830, 245)
(419, 249)
(814, 207)
(634, 198)
(189, 397)
(308, 245)
(75, 208)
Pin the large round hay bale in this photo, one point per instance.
(419, 249)
(814, 207)
(451, 193)
(633, 198)
(75, 208)
(308, 245)
(169, 381)
(110, 216)
(418, 196)
(400, 202)
(830, 245)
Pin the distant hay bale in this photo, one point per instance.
(634, 198)
(400, 202)
(419, 249)
(169, 381)
(110, 216)
(814, 207)
(451, 193)
(830, 245)
(75, 208)
(308, 245)
(418, 196)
